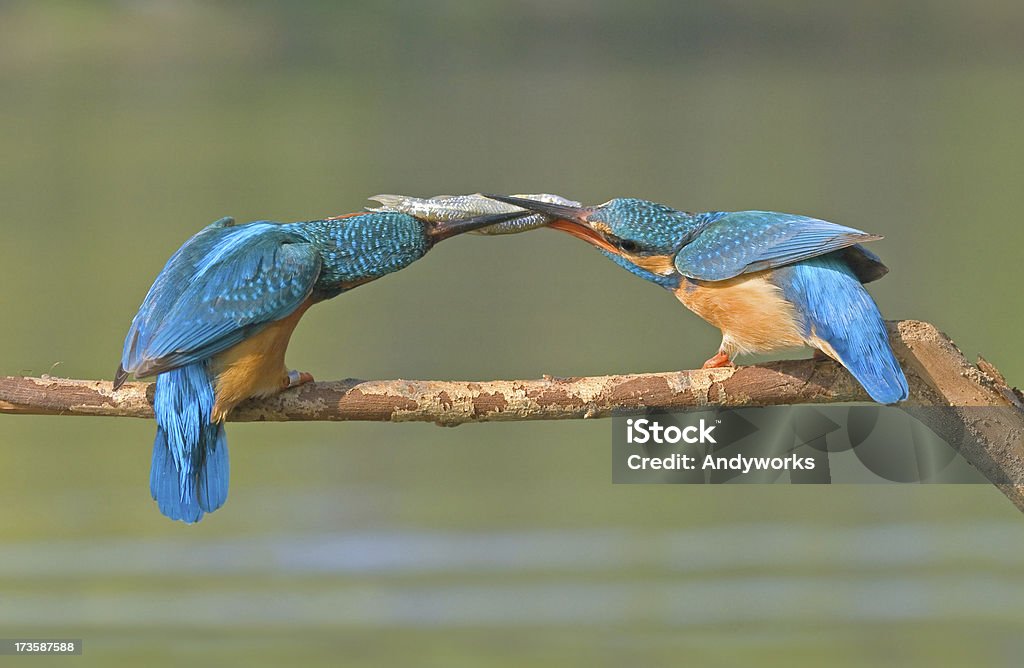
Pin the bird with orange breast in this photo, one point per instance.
(214, 327)
(767, 280)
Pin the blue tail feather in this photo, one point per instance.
(189, 474)
(165, 487)
(212, 488)
(836, 308)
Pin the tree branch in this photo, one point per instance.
(937, 371)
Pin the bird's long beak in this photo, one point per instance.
(440, 231)
(571, 219)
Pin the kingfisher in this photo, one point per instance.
(216, 322)
(767, 280)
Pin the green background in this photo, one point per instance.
(127, 126)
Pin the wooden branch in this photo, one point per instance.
(938, 373)
(451, 403)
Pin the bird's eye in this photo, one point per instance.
(628, 246)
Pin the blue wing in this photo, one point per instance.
(222, 286)
(748, 241)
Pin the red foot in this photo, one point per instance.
(296, 378)
(819, 356)
(719, 360)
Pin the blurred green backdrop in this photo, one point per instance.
(127, 126)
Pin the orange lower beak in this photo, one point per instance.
(583, 231)
(569, 219)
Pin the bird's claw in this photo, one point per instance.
(719, 360)
(296, 378)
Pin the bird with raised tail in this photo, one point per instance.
(767, 280)
(216, 322)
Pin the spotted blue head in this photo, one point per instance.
(640, 236)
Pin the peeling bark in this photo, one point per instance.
(937, 371)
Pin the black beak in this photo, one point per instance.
(571, 219)
(444, 230)
(555, 211)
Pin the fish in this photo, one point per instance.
(446, 208)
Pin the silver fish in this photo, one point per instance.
(442, 208)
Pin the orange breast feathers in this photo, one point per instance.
(255, 367)
(751, 312)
